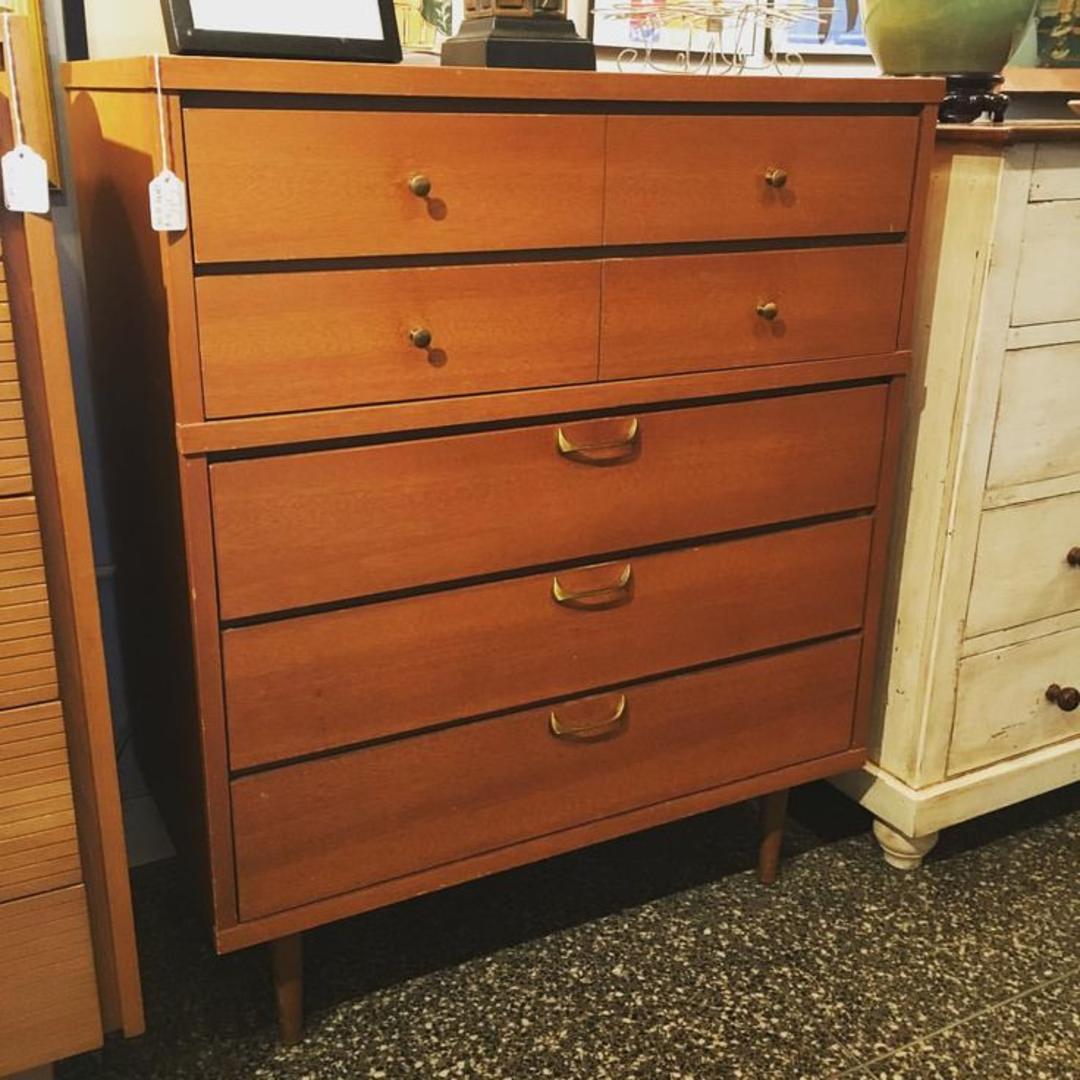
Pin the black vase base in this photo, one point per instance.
(507, 42)
(969, 97)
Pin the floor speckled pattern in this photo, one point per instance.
(658, 957)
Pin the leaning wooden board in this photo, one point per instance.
(68, 971)
(511, 465)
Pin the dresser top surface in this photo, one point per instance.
(180, 73)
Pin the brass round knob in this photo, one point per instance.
(1073, 557)
(420, 185)
(776, 178)
(1066, 698)
(420, 337)
(768, 310)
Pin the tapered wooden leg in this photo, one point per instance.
(288, 960)
(773, 813)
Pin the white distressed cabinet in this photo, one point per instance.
(977, 704)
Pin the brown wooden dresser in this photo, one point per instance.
(68, 969)
(501, 461)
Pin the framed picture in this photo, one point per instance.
(834, 29)
(1058, 33)
(311, 30)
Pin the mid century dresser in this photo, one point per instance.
(980, 706)
(502, 461)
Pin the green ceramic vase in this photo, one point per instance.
(944, 37)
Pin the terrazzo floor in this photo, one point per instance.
(659, 957)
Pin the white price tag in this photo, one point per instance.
(26, 180)
(168, 203)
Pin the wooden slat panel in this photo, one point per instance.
(9, 699)
(48, 987)
(35, 801)
(18, 612)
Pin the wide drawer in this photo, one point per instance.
(317, 527)
(1022, 568)
(312, 184)
(1001, 706)
(687, 178)
(352, 820)
(735, 310)
(303, 685)
(282, 342)
(1035, 437)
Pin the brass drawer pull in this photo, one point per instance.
(420, 337)
(605, 596)
(1073, 556)
(1066, 698)
(420, 185)
(768, 310)
(588, 732)
(600, 453)
(776, 177)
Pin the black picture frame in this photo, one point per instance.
(185, 39)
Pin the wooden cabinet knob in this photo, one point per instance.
(1066, 698)
(768, 310)
(420, 337)
(1073, 557)
(420, 185)
(776, 178)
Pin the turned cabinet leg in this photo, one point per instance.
(288, 960)
(773, 813)
(903, 852)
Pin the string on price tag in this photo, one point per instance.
(24, 172)
(168, 199)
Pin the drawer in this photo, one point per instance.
(1047, 284)
(1036, 433)
(311, 184)
(831, 302)
(345, 822)
(1001, 705)
(1022, 572)
(298, 686)
(319, 527)
(1056, 174)
(281, 342)
(686, 178)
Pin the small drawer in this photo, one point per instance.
(1002, 708)
(696, 178)
(1056, 174)
(1047, 284)
(1027, 566)
(349, 821)
(299, 686)
(1035, 435)
(737, 310)
(268, 184)
(325, 526)
(283, 342)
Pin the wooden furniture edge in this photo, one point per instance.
(1009, 134)
(56, 459)
(294, 920)
(1039, 80)
(322, 77)
(214, 436)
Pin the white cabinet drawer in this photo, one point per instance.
(1057, 172)
(1048, 281)
(1038, 435)
(1022, 571)
(1001, 704)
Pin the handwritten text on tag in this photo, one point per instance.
(26, 180)
(168, 202)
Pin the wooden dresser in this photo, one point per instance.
(980, 707)
(68, 969)
(516, 449)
